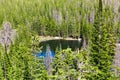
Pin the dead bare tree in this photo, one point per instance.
(7, 35)
(48, 60)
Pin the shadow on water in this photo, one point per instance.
(61, 43)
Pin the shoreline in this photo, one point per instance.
(47, 38)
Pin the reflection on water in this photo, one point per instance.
(63, 44)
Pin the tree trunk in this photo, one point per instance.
(84, 42)
(4, 64)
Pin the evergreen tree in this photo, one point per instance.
(38, 70)
(26, 74)
(64, 65)
(102, 47)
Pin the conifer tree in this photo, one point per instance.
(102, 46)
(64, 65)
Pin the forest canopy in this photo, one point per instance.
(96, 22)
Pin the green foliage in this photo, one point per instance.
(59, 18)
(39, 71)
(64, 65)
(1, 64)
(55, 18)
(20, 63)
(102, 47)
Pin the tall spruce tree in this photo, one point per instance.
(102, 46)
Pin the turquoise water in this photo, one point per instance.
(43, 54)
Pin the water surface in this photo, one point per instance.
(58, 44)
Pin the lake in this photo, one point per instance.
(58, 44)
